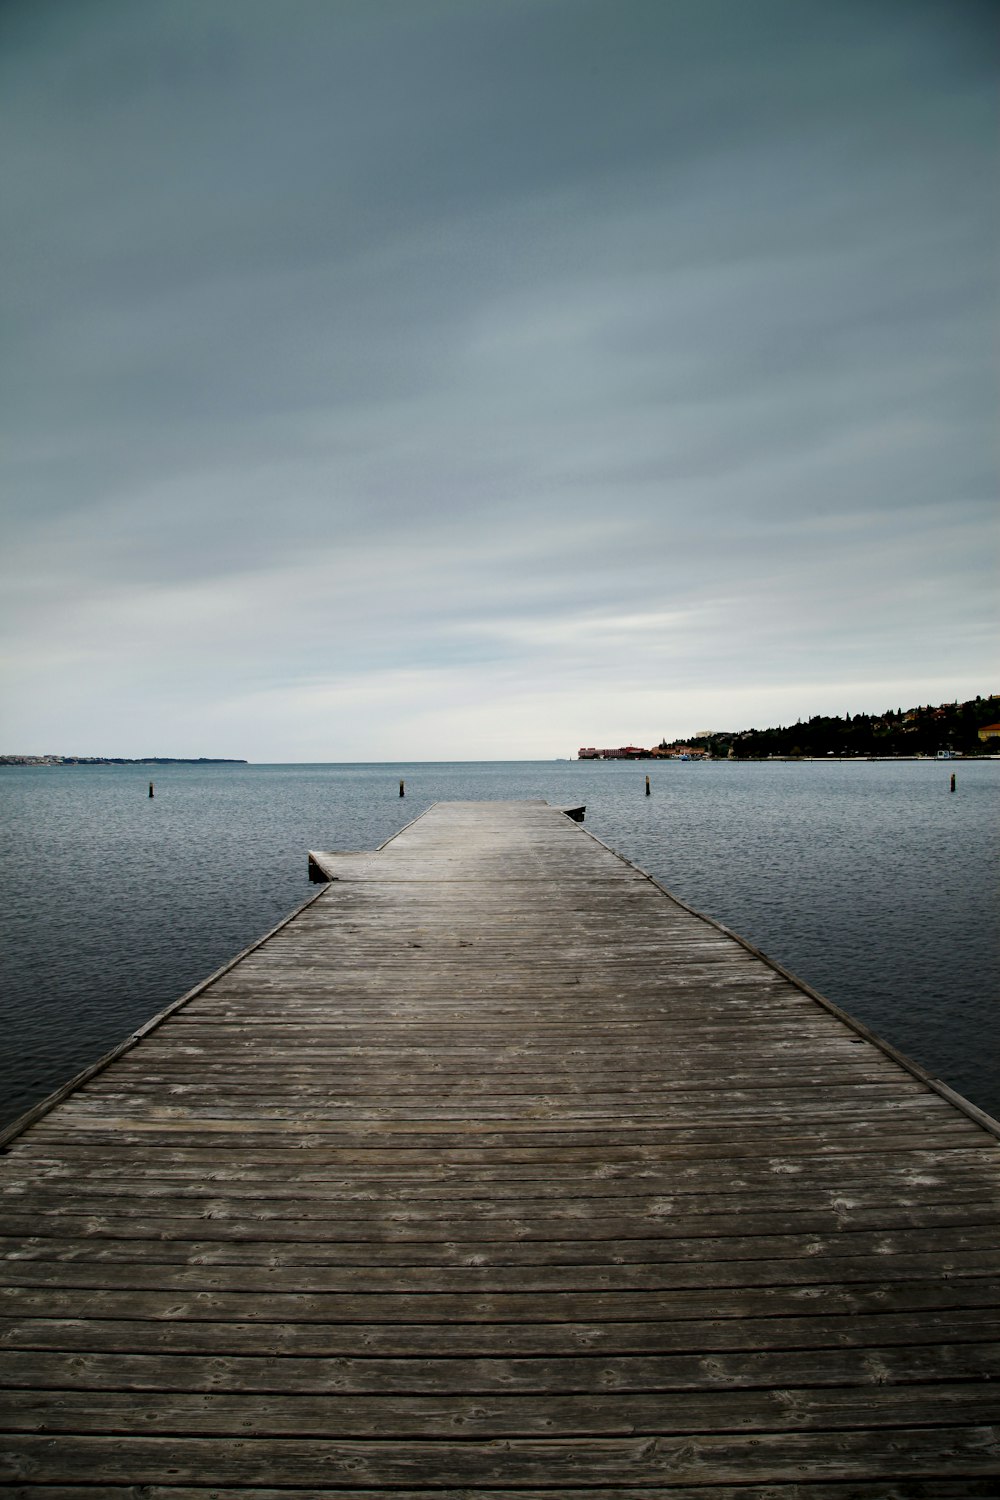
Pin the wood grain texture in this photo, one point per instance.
(498, 1172)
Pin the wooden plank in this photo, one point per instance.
(496, 1170)
(814, 1253)
(501, 1239)
(203, 1153)
(541, 1310)
(970, 1451)
(865, 1330)
(136, 1274)
(723, 1369)
(969, 1488)
(592, 1174)
(395, 1417)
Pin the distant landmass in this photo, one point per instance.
(118, 760)
(946, 729)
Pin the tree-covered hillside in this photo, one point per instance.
(898, 731)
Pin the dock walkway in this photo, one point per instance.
(497, 1172)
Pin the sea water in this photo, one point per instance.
(871, 881)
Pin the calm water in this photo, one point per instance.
(870, 881)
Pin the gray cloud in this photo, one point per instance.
(614, 350)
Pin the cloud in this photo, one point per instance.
(565, 365)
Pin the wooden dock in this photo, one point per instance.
(496, 1172)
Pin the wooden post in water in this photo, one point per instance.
(647, 785)
(402, 788)
(150, 788)
(952, 781)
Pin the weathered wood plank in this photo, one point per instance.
(167, 1156)
(969, 1488)
(705, 1459)
(392, 1418)
(501, 1178)
(769, 1370)
(541, 1309)
(133, 1274)
(650, 1216)
(952, 1325)
(545, 1258)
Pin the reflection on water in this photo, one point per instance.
(871, 881)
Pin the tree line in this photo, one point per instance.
(952, 727)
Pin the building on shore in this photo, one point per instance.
(624, 752)
(634, 752)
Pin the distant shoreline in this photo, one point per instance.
(117, 760)
(760, 760)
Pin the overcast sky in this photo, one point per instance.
(461, 379)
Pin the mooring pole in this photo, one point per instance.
(150, 788)
(402, 788)
(647, 786)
